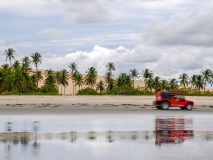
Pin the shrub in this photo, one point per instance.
(49, 89)
(87, 91)
(125, 90)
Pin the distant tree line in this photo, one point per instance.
(19, 78)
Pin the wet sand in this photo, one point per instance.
(95, 105)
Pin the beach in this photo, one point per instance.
(95, 105)
(50, 127)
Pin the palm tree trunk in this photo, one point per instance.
(37, 77)
(61, 89)
(73, 87)
(133, 84)
(10, 77)
(64, 90)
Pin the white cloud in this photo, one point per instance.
(88, 11)
(2, 50)
(181, 29)
(166, 63)
(2, 43)
(173, 45)
(96, 11)
(52, 33)
(32, 7)
(157, 4)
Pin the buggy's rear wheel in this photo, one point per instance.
(158, 107)
(164, 105)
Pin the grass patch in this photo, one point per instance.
(83, 104)
(110, 105)
(134, 105)
(126, 104)
(55, 106)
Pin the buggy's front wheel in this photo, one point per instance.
(189, 106)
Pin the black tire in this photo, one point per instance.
(164, 105)
(189, 107)
(158, 107)
(182, 108)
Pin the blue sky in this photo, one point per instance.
(167, 36)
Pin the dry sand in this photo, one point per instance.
(95, 105)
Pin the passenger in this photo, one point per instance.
(158, 93)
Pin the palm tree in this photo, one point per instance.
(10, 54)
(109, 81)
(74, 76)
(146, 75)
(110, 67)
(18, 80)
(157, 83)
(150, 83)
(124, 79)
(64, 78)
(26, 64)
(184, 80)
(200, 82)
(73, 70)
(50, 80)
(5, 66)
(25, 69)
(173, 84)
(79, 80)
(91, 76)
(16, 65)
(193, 80)
(133, 74)
(36, 60)
(73, 67)
(100, 86)
(34, 79)
(207, 76)
(58, 79)
(39, 76)
(164, 84)
(4, 80)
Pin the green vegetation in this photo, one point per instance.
(87, 91)
(19, 78)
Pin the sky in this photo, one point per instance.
(169, 37)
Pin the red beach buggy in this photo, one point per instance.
(164, 100)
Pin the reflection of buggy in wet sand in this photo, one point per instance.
(172, 130)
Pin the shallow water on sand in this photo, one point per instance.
(105, 136)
